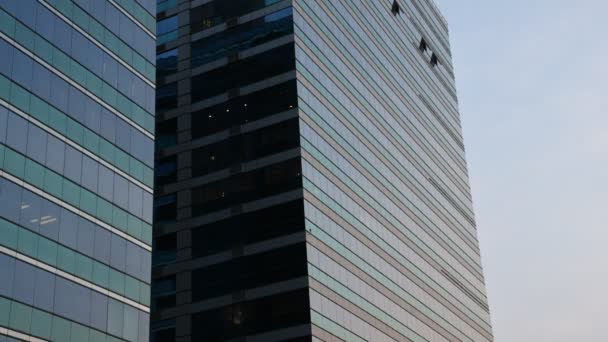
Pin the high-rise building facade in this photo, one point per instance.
(77, 81)
(311, 181)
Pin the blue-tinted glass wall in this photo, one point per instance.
(393, 253)
(76, 168)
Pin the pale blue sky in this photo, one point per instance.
(532, 79)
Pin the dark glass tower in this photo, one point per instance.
(311, 182)
(76, 169)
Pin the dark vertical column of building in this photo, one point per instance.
(230, 258)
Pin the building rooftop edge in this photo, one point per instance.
(438, 11)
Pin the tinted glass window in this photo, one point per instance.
(166, 30)
(244, 109)
(248, 228)
(244, 72)
(252, 317)
(213, 13)
(166, 63)
(165, 171)
(242, 37)
(164, 249)
(166, 97)
(248, 186)
(165, 208)
(245, 147)
(163, 293)
(249, 272)
(166, 133)
(162, 331)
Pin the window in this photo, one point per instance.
(166, 97)
(165, 171)
(395, 9)
(165, 248)
(163, 293)
(252, 227)
(162, 331)
(165, 208)
(423, 46)
(166, 63)
(166, 30)
(434, 60)
(166, 133)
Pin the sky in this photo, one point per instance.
(532, 78)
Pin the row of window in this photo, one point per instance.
(88, 24)
(65, 46)
(45, 149)
(63, 189)
(234, 112)
(132, 7)
(216, 12)
(244, 72)
(252, 317)
(60, 225)
(71, 262)
(233, 75)
(239, 274)
(108, 15)
(242, 37)
(44, 325)
(245, 147)
(74, 131)
(69, 100)
(237, 189)
(248, 186)
(249, 272)
(46, 291)
(116, 23)
(245, 229)
(23, 67)
(245, 109)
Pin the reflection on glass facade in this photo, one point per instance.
(311, 181)
(76, 169)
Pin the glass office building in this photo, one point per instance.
(311, 181)
(77, 81)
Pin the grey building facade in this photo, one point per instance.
(311, 176)
(77, 83)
